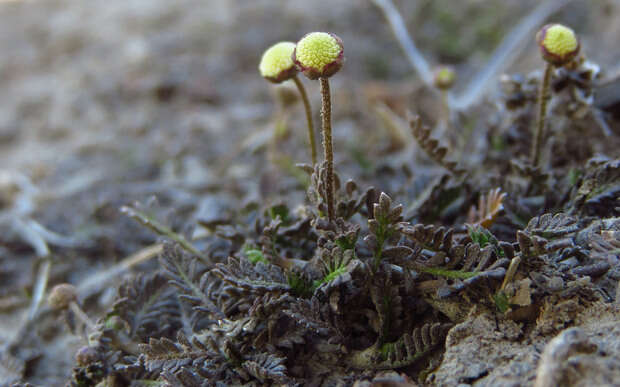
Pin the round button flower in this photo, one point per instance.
(277, 64)
(61, 296)
(444, 77)
(558, 44)
(319, 55)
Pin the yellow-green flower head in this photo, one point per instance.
(444, 77)
(558, 44)
(277, 64)
(319, 55)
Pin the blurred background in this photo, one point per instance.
(107, 103)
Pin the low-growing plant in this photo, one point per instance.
(351, 282)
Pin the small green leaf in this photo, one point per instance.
(330, 276)
(280, 210)
(501, 301)
(254, 255)
(483, 237)
(573, 176)
(299, 286)
(479, 235)
(386, 349)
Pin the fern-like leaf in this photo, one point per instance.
(190, 276)
(255, 279)
(409, 348)
(149, 306)
(431, 146)
(383, 225)
(315, 318)
(429, 237)
(165, 355)
(266, 367)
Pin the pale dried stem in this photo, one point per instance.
(510, 273)
(99, 280)
(83, 317)
(414, 55)
(502, 57)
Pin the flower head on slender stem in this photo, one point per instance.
(276, 64)
(319, 55)
(61, 296)
(444, 77)
(64, 297)
(558, 44)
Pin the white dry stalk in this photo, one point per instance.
(510, 273)
(503, 56)
(17, 217)
(40, 287)
(402, 35)
(101, 279)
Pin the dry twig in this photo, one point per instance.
(502, 57)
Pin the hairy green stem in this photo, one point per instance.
(326, 114)
(543, 99)
(455, 274)
(304, 98)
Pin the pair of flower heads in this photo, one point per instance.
(317, 55)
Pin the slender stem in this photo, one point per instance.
(100, 279)
(456, 274)
(326, 114)
(445, 105)
(161, 229)
(503, 56)
(543, 99)
(381, 237)
(83, 317)
(399, 28)
(444, 118)
(39, 288)
(304, 97)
